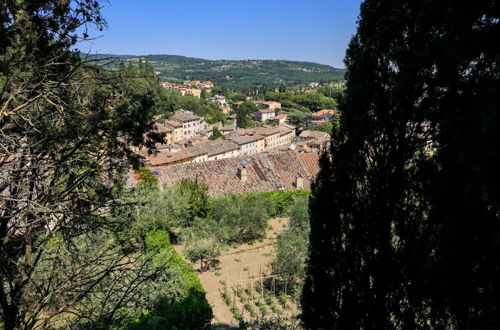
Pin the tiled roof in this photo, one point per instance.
(173, 123)
(266, 111)
(166, 157)
(315, 135)
(265, 172)
(162, 128)
(218, 146)
(284, 130)
(310, 162)
(240, 140)
(264, 131)
(229, 128)
(280, 116)
(182, 116)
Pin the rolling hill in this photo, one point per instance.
(233, 73)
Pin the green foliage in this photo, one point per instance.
(236, 97)
(146, 177)
(157, 240)
(197, 194)
(326, 127)
(206, 250)
(204, 94)
(292, 245)
(302, 120)
(282, 201)
(338, 94)
(283, 299)
(244, 74)
(309, 101)
(216, 134)
(226, 296)
(200, 107)
(245, 113)
(404, 216)
(190, 310)
(236, 313)
(273, 323)
(155, 210)
(242, 218)
(68, 132)
(252, 309)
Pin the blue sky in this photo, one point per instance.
(308, 30)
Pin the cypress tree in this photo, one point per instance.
(405, 211)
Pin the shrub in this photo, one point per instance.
(236, 313)
(190, 310)
(283, 298)
(227, 298)
(243, 218)
(251, 309)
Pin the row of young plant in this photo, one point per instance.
(257, 301)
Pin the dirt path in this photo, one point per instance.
(236, 265)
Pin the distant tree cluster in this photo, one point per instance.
(303, 101)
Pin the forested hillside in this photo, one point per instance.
(233, 74)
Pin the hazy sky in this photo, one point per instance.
(309, 30)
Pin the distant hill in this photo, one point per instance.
(232, 73)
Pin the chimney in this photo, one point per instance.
(243, 174)
(299, 183)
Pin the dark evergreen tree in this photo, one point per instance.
(405, 212)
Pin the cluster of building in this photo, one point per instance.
(183, 90)
(263, 158)
(186, 140)
(192, 87)
(199, 84)
(266, 112)
(180, 126)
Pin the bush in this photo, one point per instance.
(292, 246)
(251, 309)
(204, 250)
(236, 313)
(282, 201)
(242, 218)
(227, 298)
(190, 310)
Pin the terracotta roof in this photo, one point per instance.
(310, 162)
(266, 111)
(173, 123)
(240, 140)
(182, 116)
(265, 172)
(314, 135)
(228, 128)
(162, 128)
(218, 147)
(166, 157)
(284, 130)
(280, 116)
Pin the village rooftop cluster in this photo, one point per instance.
(187, 140)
